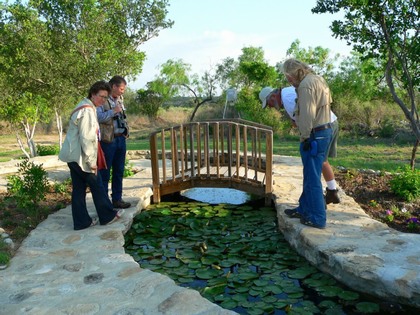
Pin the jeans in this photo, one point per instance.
(80, 181)
(311, 201)
(115, 157)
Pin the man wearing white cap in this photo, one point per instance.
(286, 98)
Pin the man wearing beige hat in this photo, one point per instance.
(286, 98)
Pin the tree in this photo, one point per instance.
(248, 75)
(175, 79)
(24, 64)
(149, 102)
(58, 48)
(387, 30)
(251, 70)
(25, 112)
(318, 58)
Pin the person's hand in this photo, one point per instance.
(95, 169)
(117, 109)
(306, 145)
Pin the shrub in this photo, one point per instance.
(29, 186)
(406, 184)
(4, 258)
(386, 129)
(43, 150)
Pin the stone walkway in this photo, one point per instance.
(61, 271)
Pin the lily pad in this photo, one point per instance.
(367, 307)
(206, 273)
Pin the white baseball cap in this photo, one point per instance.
(263, 95)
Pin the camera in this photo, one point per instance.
(121, 123)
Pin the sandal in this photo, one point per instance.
(94, 222)
(311, 224)
(293, 213)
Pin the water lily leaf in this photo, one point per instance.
(301, 273)
(158, 261)
(327, 304)
(195, 264)
(329, 291)
(209, 260)
(254, 292)
(172, 263)
(244, 208)
(217, 281)
(185, 280)
(214, 290)
(260, 283)
(187, 253)
(264, 264)
(166, 211)
(207, 273)
(241, 289)
(255, 311)
(248, 275)
(297, 295)
(240, 297)
(281, 304)
(334, 311)
(274, 289)
(269, 299)
(229, 304)
(348, 295)
(367, 307)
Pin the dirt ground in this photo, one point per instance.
(373, 193)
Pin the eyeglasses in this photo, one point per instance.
(105, 97)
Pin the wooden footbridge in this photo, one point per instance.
(234, 154)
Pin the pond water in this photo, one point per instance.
(235, 256)
(217, 195)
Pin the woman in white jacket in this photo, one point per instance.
(79, 150)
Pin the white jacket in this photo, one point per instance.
(81, 143)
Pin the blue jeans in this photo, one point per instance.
(80, 180)
(311, 201)
(115, 157)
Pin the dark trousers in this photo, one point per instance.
(80, 181)
(115, 157)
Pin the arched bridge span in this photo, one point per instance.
(223, 154)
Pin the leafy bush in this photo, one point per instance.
(386, 129)
(406, 184)
(43, 150)
(30, 185)
(4, 258)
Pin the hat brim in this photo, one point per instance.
(264, 103)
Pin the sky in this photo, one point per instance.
(207, 31)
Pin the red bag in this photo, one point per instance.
(101, 162)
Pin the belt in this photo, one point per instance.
(322, 127)
(118, 134)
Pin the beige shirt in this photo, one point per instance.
(313, 104)
(81, 143)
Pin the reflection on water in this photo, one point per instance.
(217, 195)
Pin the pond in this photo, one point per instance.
(235, 256)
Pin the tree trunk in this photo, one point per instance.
(198, 105)
(59, 122)
(413, 154)
(19, 141)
